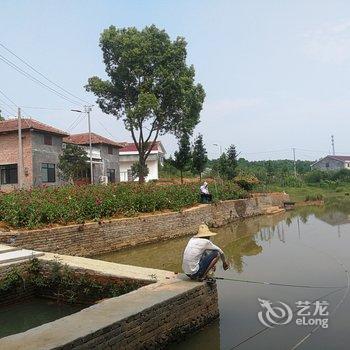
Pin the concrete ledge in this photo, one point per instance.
(151, 316)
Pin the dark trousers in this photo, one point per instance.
(206, 198)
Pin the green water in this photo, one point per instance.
(306, 247)
(32, 313)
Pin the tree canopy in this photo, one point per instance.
(182, 157)
(199, 156)
(150, 86)
(73, 163)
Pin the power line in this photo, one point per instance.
(42, 75)
(7, 98)
(75, 123)
(47, 108)
(32, 78)
(7, 104)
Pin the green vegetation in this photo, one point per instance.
(77, 204)
(199, 156)
(183, 157)
(63, 284)
(73, 163)
(151, 87)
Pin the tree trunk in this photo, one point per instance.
(142, 163)
(182, 179)
(200, 177)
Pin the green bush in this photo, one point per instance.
(72, 204)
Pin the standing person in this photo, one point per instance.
(206, 197)
(201, 255)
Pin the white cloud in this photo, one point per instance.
(330, 43)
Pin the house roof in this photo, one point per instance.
(342, 159)
(11, 125)
(83, 139)
(130, 147)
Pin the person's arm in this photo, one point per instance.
(211, 246)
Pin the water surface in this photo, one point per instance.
(32, 313)
(306, 247)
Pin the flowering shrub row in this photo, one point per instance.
(77, 204)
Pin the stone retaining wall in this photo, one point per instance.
(96, 238)
(147, 318)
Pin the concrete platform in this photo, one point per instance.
(18, 255)
(6, 248)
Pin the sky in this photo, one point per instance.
(276, 73)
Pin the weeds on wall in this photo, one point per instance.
(60, 282)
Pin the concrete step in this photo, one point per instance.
(273, 210)
(6, 248)
(18, 255)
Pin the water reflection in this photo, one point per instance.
(301, 247)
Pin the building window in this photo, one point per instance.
(8, 174)
(110, 150)
(47, 140)
(48, 172)
(111, 175)
(327, 165)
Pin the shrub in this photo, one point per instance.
(247, 182)
(73, 204)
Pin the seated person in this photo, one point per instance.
(206, 197)
(201, 255)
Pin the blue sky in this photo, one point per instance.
(276, 73)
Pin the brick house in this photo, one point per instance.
(105, 154)
(41, 146)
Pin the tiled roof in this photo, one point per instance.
(83, 139)
(130, 147)
(11, 125)
(341, 158)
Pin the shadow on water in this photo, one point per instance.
(301, 247)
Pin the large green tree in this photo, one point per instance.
(73, 163)
(199, 156)
(150, 86)
(182, 157)
(226, 166)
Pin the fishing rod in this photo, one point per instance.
(278, 284)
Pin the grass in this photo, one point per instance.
(299, 194)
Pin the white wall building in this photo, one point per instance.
(129, 155)
(332, 162)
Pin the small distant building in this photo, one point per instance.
(105, 155)
(41, 145)
(128, 155)
(332, 163)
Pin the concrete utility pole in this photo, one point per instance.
(333, 149)
(20, 151)
(88, 109)
(295, 163)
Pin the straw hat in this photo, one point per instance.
(203, 231)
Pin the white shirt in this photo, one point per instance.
(193, 253)
(204, 189)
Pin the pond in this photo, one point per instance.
(305, 248)
(32, 313)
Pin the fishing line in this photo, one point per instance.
(278, 284)
(308, 335)
(268, 328)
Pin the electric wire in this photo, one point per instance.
(34, 79)
(42, 75)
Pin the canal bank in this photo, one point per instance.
(112, 235)
(166, 308)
